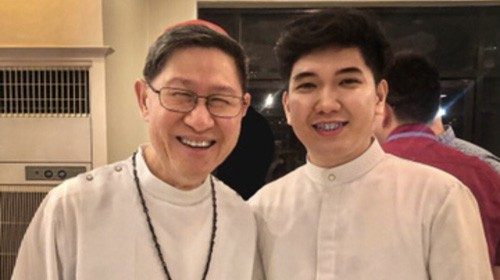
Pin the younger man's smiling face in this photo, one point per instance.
(331, 104)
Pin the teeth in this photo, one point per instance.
(328, 126)
(196, 144)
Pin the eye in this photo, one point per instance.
(305, 86)
(221, 100)
(177, 96)
(350, 82)
(180, 94)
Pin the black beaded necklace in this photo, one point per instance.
(152, 230)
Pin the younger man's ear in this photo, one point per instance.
(141, 95)
(381, 93)
(286, 108)
(387, 116)
(383, 124)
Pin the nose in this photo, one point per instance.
(328, 101)
(199, 118)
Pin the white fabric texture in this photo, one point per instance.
(93, 227)
(376, 217)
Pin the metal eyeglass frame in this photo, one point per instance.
(196, 97)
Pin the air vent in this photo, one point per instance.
(16, 211)
(48, 91)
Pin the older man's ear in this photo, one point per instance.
(141, 95)
(247, 98)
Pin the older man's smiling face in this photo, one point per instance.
(186, 147)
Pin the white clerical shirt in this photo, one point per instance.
(376, 217)
(93, 227)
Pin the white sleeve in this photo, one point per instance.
(458, 247)
(46, 250)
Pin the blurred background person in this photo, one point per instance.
(246, 167)
(446, 135)
(412, 103)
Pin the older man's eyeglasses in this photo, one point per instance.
(184, 101)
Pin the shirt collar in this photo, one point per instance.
(152, 185)
(347, 172)
(411, 130)
(447, 136)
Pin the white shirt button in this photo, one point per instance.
(118, 168)
(331, 177)
(89, 177)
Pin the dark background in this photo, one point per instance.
(462, 41)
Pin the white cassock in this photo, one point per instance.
(376, 217)
(93, 227)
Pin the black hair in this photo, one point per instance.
(193, 36)
(414, 88)
(340, 27)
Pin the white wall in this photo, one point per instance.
(51, 23)
(125, 30)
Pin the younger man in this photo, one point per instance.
(353, 211)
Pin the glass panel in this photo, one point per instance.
(445, 35)
(457, 99)
(488, 114)
(228, 20)
(289, 152)
(259, 35)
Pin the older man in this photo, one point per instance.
(159, 214)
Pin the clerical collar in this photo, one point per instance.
(155, 187)
(346, 172)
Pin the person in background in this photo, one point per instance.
(353, 211)
(446, 135)
(159, 214)
(246, 167)
(412, 103)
